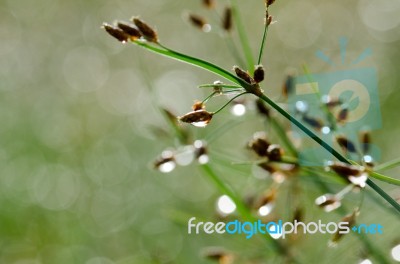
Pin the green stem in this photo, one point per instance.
(222, 107)
(388, 165)
(241, 207)
(264, 37)
(219, 85)
(384, 178)
(328, 148)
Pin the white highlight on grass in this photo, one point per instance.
(225, 205)
(396, 253)
(238, 110)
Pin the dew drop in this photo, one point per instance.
(265, 209)
(365, 261)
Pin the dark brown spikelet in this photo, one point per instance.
(269, 2)
(268, 167)
(259, 74)
(219, 255)
(259, 144)
(345, 169)
(129, 29)
(346, 144)
(350, 220)
(210, 4)
(148, 32)
(198, 118)
(243, 75)
(262, 108)
(227, 20)
(342, 115)
(198, 106)
(365, 139)
(288, 86)
(197, 21)
(274, 152)
(313, 122)
(117, 33)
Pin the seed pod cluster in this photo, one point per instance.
(356, 175)
(124, 31)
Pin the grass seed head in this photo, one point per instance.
(259, 74)
(148, 32)
(346, 144)
(115, 32)
(129, 29)
(199, 118)
(243, 75)
(227, 19)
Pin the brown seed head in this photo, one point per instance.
(259, 74)
(130, 29)
(198, 21)
(269, 2)
(342, 115)
(198, 106)
(262, 108)
(268, 167)
(210, 4)
(346, 144)
(148, 32)
(345, 169)
(227, 20)
(274, 152)
(259, 144)
(199, 118)
(349, 221)
(243, 75)
(365, 139)
(288, 86)
(116, 33)
(313, 122)
(328, 202)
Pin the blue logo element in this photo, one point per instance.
(336, 103)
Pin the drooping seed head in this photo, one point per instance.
(227, 19)
(288, 85)
(328, 202)
(266, 203)
(199, 118)
(243, 75)
(148, 32)
(115, 32)
(201, 152)
(218, 87)
(313, 122)
(199, 22)
(129, 29)
(259, 74)
(346, 144)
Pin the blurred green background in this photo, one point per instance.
(77, 112)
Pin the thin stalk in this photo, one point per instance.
(388, 165)
(264, 37)
(222, 107)
(283, 136)
(244, 40)
(241, 207)
(208, 97)
(328, 148)
(210, 85)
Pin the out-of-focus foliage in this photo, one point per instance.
(80, 125)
